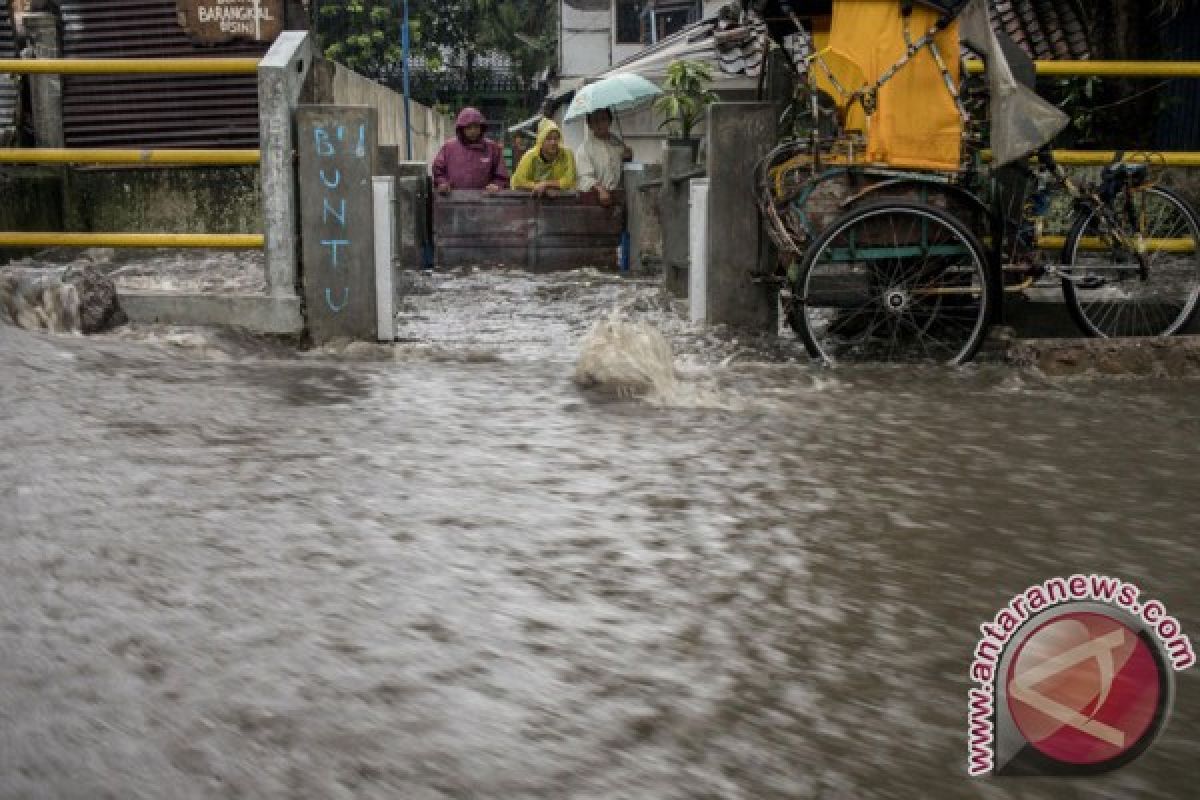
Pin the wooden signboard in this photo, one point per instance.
(213, 21)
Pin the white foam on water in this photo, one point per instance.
(39, 303)
(634, 360)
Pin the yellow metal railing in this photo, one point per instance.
(181, 157)
(1177, 245)
(130, 66)
(1109, 69)
(231, 241)
(53, 155)
(1096, 158)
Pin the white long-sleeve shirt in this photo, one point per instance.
(598, 163)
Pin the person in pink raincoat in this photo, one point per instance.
(470, 160)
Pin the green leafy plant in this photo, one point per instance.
(685, 96)
(360, 33)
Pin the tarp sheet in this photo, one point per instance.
(1021, 121)
(917, 124)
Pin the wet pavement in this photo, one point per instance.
(445, 570)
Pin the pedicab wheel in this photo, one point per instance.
(893, 282)
(1109, 291)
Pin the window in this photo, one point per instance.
(631, 28)
(670, 18)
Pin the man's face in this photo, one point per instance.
(473, 132)
(550, 145)
(601, 122)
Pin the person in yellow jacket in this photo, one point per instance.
(548, 165)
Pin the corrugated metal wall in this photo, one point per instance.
(1179, 123)
(219, 111)
(8, 83)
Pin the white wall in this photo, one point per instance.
(588, 39)
(584, 42)
(430, 129)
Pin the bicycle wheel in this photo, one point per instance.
(893, 281)
(1108, 293)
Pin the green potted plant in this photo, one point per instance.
(684, 99)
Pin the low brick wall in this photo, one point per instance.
(520, 231)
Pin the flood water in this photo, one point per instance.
(444, 570)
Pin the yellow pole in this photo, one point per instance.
(1080, 158)
(1096, 243)
(126, 66)
(50, 155)
(1110, 69)
(231, 241)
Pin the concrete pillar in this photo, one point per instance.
(673, 211)
(45, 91)
(384, 227)
(641, 217)
(409, 192)
(337, 145)
(739, 134)
(412, 204)
(281, 76)
(418, 224)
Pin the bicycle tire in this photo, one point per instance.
(893, 281)
(1113, 298)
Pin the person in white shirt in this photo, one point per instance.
(598, 161)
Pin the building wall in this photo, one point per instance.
(588, 36)
(584, 37)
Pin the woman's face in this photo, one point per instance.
(550, 145)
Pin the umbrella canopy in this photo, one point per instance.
(619, 92)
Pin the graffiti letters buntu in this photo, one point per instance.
(333, 205)
(211, 21)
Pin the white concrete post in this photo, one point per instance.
(383, 188)
(698, 249)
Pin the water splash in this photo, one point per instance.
(629, 359)
(39, 303)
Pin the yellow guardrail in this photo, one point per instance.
(130, 66)
(1108, 69)
(231, 241)
(1096, 243)
(52, 155)
(1095, 158)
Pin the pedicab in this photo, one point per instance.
(897, 241)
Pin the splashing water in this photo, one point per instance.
(628, 359)
(39, 303)
(634, 360)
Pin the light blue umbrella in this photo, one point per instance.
(620, 92)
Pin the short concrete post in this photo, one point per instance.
(673, 207)
(45, 90)
(408, 247)
(633, 176)
(385, 250)
(417, 223)
(739, 134)
(337, 162)
(281, 75)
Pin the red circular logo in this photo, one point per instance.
(1084, 688)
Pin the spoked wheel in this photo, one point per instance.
(893, 282)
(1109, 291)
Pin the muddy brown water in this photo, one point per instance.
(234, 571)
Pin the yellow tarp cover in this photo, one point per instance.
(916, 124)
